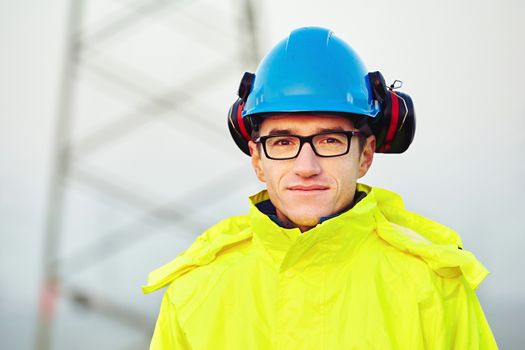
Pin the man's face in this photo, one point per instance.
(308, 187)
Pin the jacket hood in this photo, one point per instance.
(439, 246)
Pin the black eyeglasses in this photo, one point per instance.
(325, 144)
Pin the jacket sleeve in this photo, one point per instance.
(452, 318)
(168, 334)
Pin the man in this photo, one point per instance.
(321, 261)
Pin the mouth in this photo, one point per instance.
(308, 189)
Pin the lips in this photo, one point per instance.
(308, 188)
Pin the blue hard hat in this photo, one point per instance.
(314, 71)
(311, 71)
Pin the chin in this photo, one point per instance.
(309, 219)
(306, 222)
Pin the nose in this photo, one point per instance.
(307, 163)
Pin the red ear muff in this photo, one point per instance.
(395, 125)
(402, 125)
(240, 128)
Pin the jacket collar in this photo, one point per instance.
(328, 237)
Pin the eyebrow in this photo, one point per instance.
(337, 128)
(280, 132)
(289, 132)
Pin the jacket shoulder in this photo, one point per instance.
(224, 235)
(438, 246)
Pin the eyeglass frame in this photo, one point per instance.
(309, 139)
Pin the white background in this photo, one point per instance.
(461, 61)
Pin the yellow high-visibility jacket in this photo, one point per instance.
(374, 277)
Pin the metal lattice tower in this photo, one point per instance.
(143, 162)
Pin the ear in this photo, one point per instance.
(256, 161)
(367, 155)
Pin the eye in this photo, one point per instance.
(331, 139)
(281, 141)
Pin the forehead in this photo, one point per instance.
(305, 123)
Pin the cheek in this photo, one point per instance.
(275, 173)
(344, 173)
(346, 179)
(270, 173)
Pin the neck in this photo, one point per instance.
(287, 223)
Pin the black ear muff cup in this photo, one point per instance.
(403, 127)
(241, 128)
(395, 125)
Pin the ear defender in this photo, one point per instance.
(395, 125)
(240, 128)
